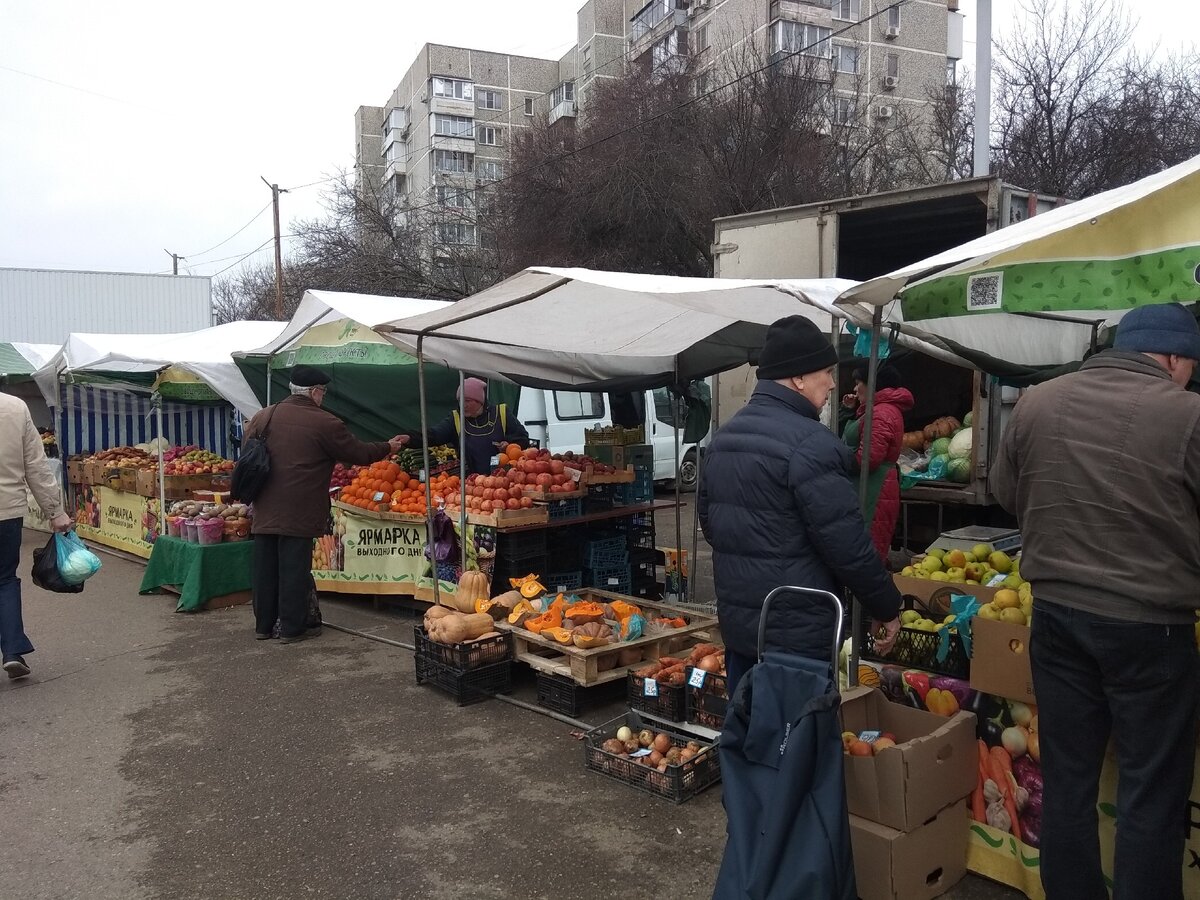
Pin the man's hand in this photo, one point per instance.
(398, 442)
(885, 635)
(62, 523)
(850, 401)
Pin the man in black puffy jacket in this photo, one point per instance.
(778, 506)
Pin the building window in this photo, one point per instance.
(489, 170)
(488, 99)
(845, 59)
(700, 39)
(893, 16)
(455, 198)
(702, 84)
(529, 106)
(565, 92)
(488, 239)
(489, 135)
(665, 53)
(453, 126)
(651, 14)
(893, 65)
(587, 62)
(452, 87)
(395, 153)
(456, 233)
(844, 112)
(951, 72)
(797, 37)
(453, 161)
(847, 10)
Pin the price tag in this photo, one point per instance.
(575, 474)
(697, 678)
(637, 754)
(613, 582)
(997, 579)
(650, 688)
(869, 737)
(379, 495)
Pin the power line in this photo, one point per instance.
(70, 87)
(192, 256)
(802, 51)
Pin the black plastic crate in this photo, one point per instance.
(678, 783)
(640, 538)
(612, 544)
(643, 485)
(600, 497)
(467, 656)
(560, 582)
(606, 559)
(645, 588)
(566, 509)
(564, 695)
(916, 649)
(705, 705)
(521, 545)
(615, 579)
(472, 686)
(506, 569)
(643, 564)
(623, 495)
(666, 702)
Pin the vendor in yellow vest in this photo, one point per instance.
(487, 428)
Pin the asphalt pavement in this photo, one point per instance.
(154, 754)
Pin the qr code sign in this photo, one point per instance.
(983, 291)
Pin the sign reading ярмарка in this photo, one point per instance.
(368, 555)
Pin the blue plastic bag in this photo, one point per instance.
(963, 608)
(76, 563)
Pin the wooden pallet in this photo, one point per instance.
(584, 666)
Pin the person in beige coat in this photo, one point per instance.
(22, 462)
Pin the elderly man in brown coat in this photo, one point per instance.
(305, 442)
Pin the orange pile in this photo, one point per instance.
(410, 498)
(383, 477)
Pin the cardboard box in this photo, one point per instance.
(75, 471)
(1000, 659)
(129, 479)
(935, 761)
(147, 482)
(917, 865)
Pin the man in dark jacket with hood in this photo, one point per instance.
(778, 507)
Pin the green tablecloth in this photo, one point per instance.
(200, 572)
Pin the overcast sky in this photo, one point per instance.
(130, 127)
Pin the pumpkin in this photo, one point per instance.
(521, 612)
(583, 613)
(492, 608)
(622, 610)
(562, 635)
(509, 599)
(592, 634)
(472, 585)
(914, 440)
(529, 586)
(457, 628)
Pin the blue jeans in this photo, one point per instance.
(1097, 678)
(13, 641)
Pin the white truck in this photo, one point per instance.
(861, 238)
(558, 419)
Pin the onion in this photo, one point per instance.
(1015, 741)
(662, 743)
(624, 733)
(710, 663)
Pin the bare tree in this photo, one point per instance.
(1078, 110)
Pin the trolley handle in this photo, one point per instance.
(834, 601)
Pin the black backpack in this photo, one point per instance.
(253, 467)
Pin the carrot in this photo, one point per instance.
(978, 804)
(1002, 774)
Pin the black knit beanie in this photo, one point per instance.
(886, 376)
(795, 346)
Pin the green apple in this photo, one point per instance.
(1012, 582)
(955, 559)
(935, 552)
(1000, 561)
(931, 564)
(988, 611)
(938, 576)
(911, 615)
(956, 574)
(907, 571)
(981, 551)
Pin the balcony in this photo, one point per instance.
(451, 106)
(654, 20)
(396, 160)
(798, 11)
(457, 143)
(395, 127)
(562, 110)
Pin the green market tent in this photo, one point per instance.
(374, 387)
(19, 360)
(1044, 292)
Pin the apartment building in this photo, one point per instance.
(447, 128)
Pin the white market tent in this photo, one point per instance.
(550, 327)
(205, 354)
(324, 307)
(1042, 292)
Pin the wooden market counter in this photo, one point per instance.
(617, 512)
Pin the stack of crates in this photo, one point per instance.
(606, 564)
(643, 558)
(518, 555)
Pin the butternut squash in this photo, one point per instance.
(509, 599)
(521, 612)
(457, 628)
(471, 586)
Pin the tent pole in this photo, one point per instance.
(162, 477)
(694, 565)
(270, 356)
(864, 475)
(679, 550)
(437, 597)
(462, 467)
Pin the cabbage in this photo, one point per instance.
(959, 469)
(76, 563)
(966, 420)
(960, 445)
(940, 447)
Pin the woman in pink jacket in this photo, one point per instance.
(882, 505)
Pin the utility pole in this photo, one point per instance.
(983, 87)
(175, 258)
(275, 192)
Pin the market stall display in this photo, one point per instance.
(665, 763)
(203, 575)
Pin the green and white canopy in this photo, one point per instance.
(19, 360)
(1043, 292)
